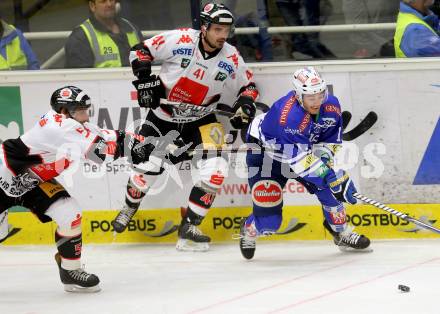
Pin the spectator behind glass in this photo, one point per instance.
(372, 43)
(15, 51)
(103, 40)
(307, 44)
(261, 43)
(417, 30)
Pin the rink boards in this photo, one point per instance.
(299, 223)
(395, 162)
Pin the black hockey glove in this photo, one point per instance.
(244, 111)
(140, 149)
(149, 91)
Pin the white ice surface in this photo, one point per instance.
(284, 277)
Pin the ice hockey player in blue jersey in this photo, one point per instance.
(299, 136)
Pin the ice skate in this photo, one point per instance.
(247, 241)
(123, 218)
(77, 280)
(348, 240)
(191, 238)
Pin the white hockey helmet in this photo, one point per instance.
(307, 81)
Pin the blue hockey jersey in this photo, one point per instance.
(307, 142)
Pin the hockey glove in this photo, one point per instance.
(149, 91)
(341, 186)
(140, 149)
(244, 108)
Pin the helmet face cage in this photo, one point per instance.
(71, 98)
(307, 81)
(214, 13)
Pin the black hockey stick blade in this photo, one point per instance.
(346, 117)
(396, 212)
(366, 124)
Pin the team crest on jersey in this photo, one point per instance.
(185, 62)
(220, 76)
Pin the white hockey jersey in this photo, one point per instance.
(46, 150)
(188, 76)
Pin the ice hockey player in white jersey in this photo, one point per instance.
(30, 163)
(198, 66)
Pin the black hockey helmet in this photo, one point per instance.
(71, 98)
(213, 13)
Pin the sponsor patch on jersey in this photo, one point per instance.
(286, 109)
(291, 131)
(185, 39)
(267, 193)
(182, 51)
(185, 62)
(304, 123)
(332, 108)
(226, 66)
(189, 91)
(234, 59)
(221, 76)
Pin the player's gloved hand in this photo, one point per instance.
(149, 91)
(244, 108)
(139, 148)
(341, 186)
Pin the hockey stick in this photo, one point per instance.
(193, 110)
(369, 120)
(346, 117)
(395, 212)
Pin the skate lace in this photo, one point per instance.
(248, 241)
(125, 215)
(194, 230)
(350, 237)
(79, 274)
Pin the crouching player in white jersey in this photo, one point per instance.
(197, 68)
(30, 163)
(299, 136)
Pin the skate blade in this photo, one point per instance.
(184, 245)
(347, 249)
(79, 289)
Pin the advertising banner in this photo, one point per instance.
(396, 160)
